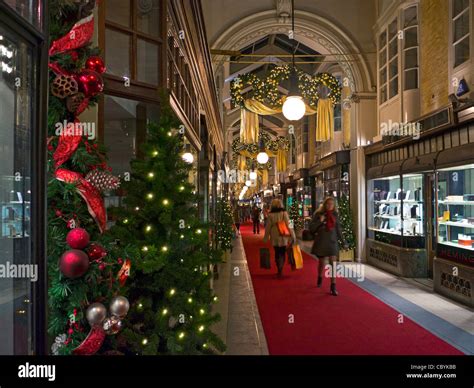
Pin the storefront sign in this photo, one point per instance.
(455, 254)
(383, 256)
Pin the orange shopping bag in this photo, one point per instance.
(297, 256)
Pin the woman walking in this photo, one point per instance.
(279, 242)
(326, 230)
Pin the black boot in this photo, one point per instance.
(333, 289)
(320, 281)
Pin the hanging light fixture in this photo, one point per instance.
(253, 173)
(262, 157)
(294, 107)
(188, 157)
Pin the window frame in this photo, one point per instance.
(467, 36)
(388, 60)
(139, 87)
(415, 47)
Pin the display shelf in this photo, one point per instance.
(458, 224)
(456, 245)
(388, 231)
(387, 216)
(457, 203)
(397, 201)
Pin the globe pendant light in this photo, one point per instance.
(188, 157)
(262, 157)
(294, 107)
(253, 173)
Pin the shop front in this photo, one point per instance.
(23, 110)
(330, 176)
(304, 196)
(420, 216)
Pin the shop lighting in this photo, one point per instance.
(294, 107)
(188, 157)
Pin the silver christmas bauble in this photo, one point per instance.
(119, 306)
(96, 314)
(112, 325)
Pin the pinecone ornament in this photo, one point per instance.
(103, 180)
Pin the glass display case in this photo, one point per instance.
(455, 222)
(384, 213)
(396, 210)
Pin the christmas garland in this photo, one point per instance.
(269, 144)
(266, 91)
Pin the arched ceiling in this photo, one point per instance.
(336, 28)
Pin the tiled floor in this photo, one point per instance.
(243, 328)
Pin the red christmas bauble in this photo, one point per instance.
(90, 82)
(96, 64)
(74, 263)
(78, 238)
(96, 252)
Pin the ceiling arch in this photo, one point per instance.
(311, 29)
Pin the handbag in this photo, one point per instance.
(265, 258)
(283, 229)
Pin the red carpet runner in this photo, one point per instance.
(353, 323)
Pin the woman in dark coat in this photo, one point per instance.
(326, 230)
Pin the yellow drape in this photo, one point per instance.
(325, 122)
(264, 177)
(281, 160)
(346, 118)
(242, 164)
(249, 127)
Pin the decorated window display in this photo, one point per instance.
(456, 213)
(396, 210)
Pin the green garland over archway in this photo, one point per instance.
(266, 91)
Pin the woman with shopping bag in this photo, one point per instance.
(278, 231)
(327, 231)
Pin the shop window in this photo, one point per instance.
(30, 10)
(456, 210)
(133, 41)
(396, 214)
(125, 128)
(17, 115)
(461, 31)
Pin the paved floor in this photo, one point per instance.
(242, 328)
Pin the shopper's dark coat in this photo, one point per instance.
(325, 241)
